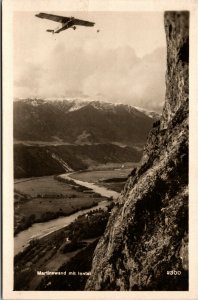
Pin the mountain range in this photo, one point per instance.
(53, 137)
(80, 122)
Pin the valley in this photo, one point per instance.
(40, 199)
(45, 198)
(58, 220)
(71, 160)
(60, 249)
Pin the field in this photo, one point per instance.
(45, 198)
(40, 199)
(113, 167)
(105, 172)
(112, 176)
(43, 186)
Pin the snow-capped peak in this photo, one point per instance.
(77, 105)
(74, 104)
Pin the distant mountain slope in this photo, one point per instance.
(80, 122)
(49, 160)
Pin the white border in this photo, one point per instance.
(9, 6)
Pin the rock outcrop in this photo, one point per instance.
(145, 245)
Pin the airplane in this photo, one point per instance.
(66, 22)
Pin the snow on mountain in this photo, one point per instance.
(74, 104)
(77, 105)
(80, 121)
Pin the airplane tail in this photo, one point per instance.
(50, 30)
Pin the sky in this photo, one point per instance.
(124, 62)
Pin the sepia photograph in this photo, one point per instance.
(99, 176)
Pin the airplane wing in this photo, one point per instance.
(53, 17)
(83, 23)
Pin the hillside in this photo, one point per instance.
(48, 160)
(145, 244)
(80, 122)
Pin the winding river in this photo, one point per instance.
(39, 230)
(97, 189)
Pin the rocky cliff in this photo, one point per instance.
(145, 245)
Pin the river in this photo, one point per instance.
(39, 230)
(97, 189)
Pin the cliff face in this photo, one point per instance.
(147, 233)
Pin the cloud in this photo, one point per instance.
(112, 75)
(28, 79)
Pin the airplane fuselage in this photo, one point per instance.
(65, 26)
